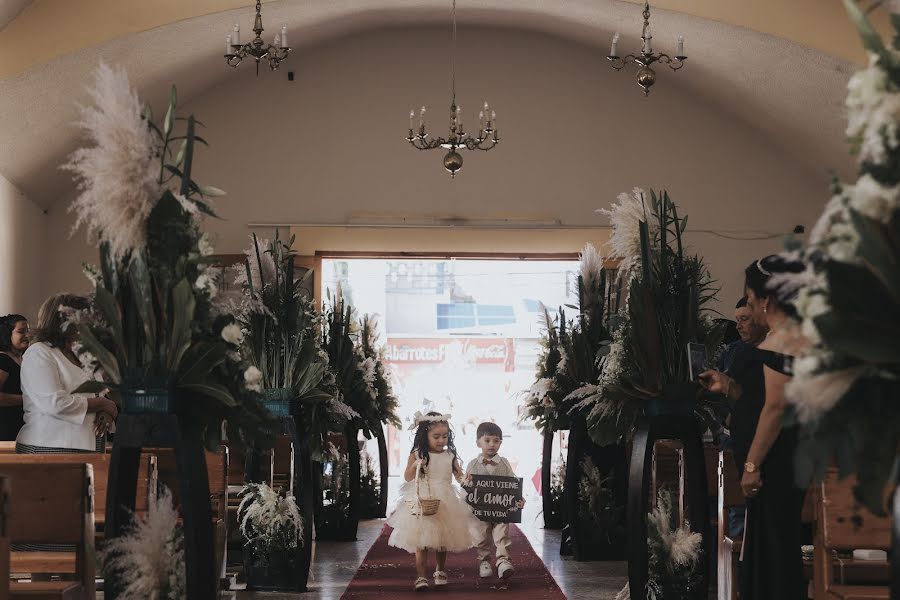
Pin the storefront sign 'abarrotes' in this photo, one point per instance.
(494, 498)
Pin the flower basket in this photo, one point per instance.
(429, 506)
(150, 400)
(281, 402)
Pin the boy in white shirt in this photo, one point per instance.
(489, 439)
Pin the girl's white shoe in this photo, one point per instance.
(440, 578)
(421, 584)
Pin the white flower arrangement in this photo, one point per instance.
(148, 561)
(625, 241)
(270, 523)
(873, 111)
(337, 407)
(206, 283)
(262, 265)
(840, 382)
(119, 176)
(233, 334)
(591, 265)
(205, 246)
(253, 379)
(368, 366)
(674, 564)
(539, 390)
(92, 273)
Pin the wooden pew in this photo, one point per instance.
(217, 472)
(729, 495)
(4, 538)
(283, 464)
(7, 447)
(53, 505)
(64, 562)
(843, 525)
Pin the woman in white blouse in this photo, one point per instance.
(56, 420)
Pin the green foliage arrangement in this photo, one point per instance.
(668, 291)
(154, 326)
(281, 328)
(845, 388)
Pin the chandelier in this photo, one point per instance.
(458, 138)
(257, 49)
(646, 76)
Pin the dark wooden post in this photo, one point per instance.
(352, 432)
(383, 469)
(673, 427)
(304, 494)
(546, 476)
(574, 455)
(165, 430)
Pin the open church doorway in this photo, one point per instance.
(461, 336)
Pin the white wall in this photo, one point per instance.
(330, 145)
(22, 252)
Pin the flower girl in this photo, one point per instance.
(432, 513)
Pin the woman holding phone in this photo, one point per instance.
(764, 449)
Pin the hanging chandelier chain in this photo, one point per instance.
(459, 138)
(646, 20)
(453, 53)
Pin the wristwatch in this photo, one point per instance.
(749, 467)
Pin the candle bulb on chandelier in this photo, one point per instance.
(284, 43)
(614, 48)
(422, 118)
(228, 44)
(412, 115)
(647, 37)
(278, 41)
(679, 47)
(236, 35)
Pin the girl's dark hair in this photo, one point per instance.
(420, 442)
(7, 326)
(51, 319)
(762, 277)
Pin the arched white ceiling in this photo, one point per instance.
(791, 93)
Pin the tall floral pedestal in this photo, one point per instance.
(293, 574)
(670, 419)
(148, 420)
(581, 533)
(339, 520)
(552, 509)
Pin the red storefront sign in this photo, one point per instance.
(475, 350)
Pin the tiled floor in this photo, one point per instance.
(335, 564)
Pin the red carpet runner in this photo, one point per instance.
(390, 573)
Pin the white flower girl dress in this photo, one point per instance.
(453, 528)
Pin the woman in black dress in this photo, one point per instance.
(14, 339)
(771, 562)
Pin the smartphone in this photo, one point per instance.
(696, 354)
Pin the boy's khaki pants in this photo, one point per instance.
(496, 534)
